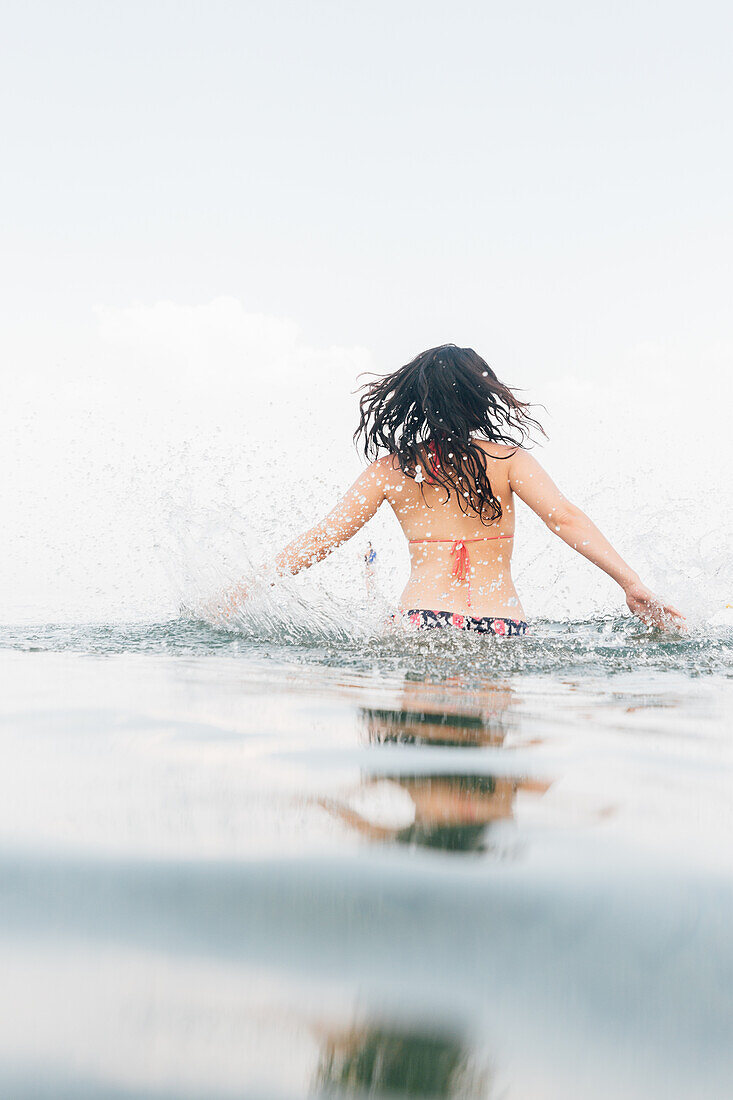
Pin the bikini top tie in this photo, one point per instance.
(461, 559)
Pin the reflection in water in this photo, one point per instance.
(450, 811)
(444, 714)
(389, 1061)
(174, 923)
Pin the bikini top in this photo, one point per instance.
(459, 550)
(462, 561)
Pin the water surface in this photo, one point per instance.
(237, 864)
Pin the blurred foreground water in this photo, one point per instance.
(386, 866)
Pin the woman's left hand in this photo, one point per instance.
(642, 602)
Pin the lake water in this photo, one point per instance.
(398, 865)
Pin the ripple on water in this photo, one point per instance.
(590, 647)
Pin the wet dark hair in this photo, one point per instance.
(439, 400)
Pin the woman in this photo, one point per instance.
(453, 434)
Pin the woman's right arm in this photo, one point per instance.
(353, 510)
(535, 487)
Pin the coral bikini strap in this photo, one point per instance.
(462, 561)
(433, 462)
(461, 565)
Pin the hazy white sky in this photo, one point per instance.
(550, 182)
(210, 206)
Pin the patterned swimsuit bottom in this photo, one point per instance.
(509, 628)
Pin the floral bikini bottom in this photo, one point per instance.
(510, 628)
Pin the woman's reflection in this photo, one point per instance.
(453, 810)
(389, 1061)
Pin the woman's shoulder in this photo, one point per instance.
(496, 450)
(386, 464)
(379, 471)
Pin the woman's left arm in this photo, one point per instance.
(355, 508)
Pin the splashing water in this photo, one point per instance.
(301, 632)
(218, 436)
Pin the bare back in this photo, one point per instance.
(433, 524)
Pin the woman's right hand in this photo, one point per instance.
(233, 598)
(227, 602)
(642, 602)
